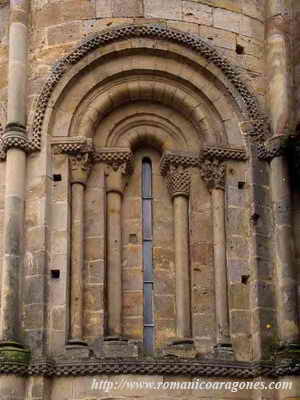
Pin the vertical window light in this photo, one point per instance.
(147, 255)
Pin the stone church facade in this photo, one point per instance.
(149, 197)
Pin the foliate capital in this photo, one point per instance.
(80, 165)
(213, 174)
(178, 180)
(116, 177)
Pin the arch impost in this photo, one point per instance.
(178, 158)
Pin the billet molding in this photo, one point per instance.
(153, 31)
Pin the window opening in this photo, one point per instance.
(147, 255)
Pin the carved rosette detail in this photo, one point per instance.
(80, 168)
(213, 174)
(178, 180)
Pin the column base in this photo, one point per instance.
(289, 351)
(224, 351)
(14, 352)
(77, 348)
(183, 348)
(120, 347)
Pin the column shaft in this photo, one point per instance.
(181, 234)
(13, 246)
(222, 315)
(77, 260)
(286, 282)
(278, 59)
(114, 255)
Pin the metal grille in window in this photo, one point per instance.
(148, 255)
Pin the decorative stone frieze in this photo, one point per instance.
(80, 167)
(213, 173)
(180, 366)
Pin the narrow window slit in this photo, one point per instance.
(147, 255)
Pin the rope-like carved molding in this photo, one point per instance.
(154, 31)
(166, 366)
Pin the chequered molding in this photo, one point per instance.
(165, 366)
(154, 31)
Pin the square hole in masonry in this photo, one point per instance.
(55, 273)
(57, 177)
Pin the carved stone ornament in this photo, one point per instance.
(213, 174)
(163, 366)
(273, 147)
(116, 177)
(159, 32)
(178, 180)
(80, 168)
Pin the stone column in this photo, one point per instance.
(115, 186)
(15, 143)
(178, 181)
(279, 101)
(80, 169)
(213, 173)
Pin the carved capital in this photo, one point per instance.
(80, 168)
(116, 177)
(213, 174)
(178, 180)
(274, 147)
(14, 137)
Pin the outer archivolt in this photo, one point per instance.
(156, 32)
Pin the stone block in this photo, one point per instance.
(168, 9)
(33, 316)
(95, 272)
(165, 282)
(68, 32)
(204, 325)
(58, 318)
(240, 321)
(237, 221)
(238, 247)
(239, 296)
(227, 20)
(132, 279)
(236, 269)
(202, 300)
(197, 13)
(164, 306)
(202, 253)
(133, 303)
(252, 28)
(133, 327)
(103, 8)
(93, 297)
(93, 249)
(34, 289)
(130, 8)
